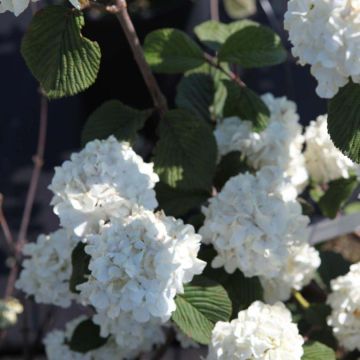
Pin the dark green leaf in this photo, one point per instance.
(185, 155)
(114, 118)
(172, 51)
(253, 46)
(337, 195)
(244, 103)
(86, 337)
(316, 314)
(61, 59)
(202, 305)
(332, 266)
(177, 202)
(231, 164)
(317, 351)
(80, 266)
(344, 120)
(213, 33)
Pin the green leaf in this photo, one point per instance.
(231, 164)
(316, 192)
(114, 118)
(244, 103)
(352, 208)
(86, 337)
(337, 195)
(172, 51)
(332, 265)
(344, 120)
(253, 46)
(318, 351)
(238, 9)
(213, 33)
(61, 59)
(177, 202)
(202, 305)
(185, 155)
(80, 267)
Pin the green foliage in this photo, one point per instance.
(253, 46)
(61, 59)
(332, 266)
(177, 202)
(80, 267)
(316, 314)
(238, 9)
(244, 103)
(337, 195)
(344, 120)
(352, 208)
(114, 118)
(214, 34)
(185, 155)
(230, 165)
(317, 351)
(172, 51)
(202, 305)
(86, 337)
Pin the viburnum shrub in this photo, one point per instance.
(209, 242)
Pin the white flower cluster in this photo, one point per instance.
(57, 349)
(47, 271)
(253, 223)
(280, 144)
(262, 332)
(324, 34)
(323, 160)
(9, 310)
(297, 272)
(138, 266)
(345, 303)
(105, 180)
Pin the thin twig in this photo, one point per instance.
(214, 63)
(214, 10)
(5, 226)
(300, 299)
(121, 12)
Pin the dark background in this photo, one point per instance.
(119, 78)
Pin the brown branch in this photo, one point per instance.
(5, 226)
(214, 63)
(214, 10)
(121, 12)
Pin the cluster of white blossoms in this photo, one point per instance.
(253, 223)
(324, 34)
(297, 272)
(323, 160)
(47, 270)
(138, 266)
(262, 332)
(10, 309)
(105, 180)
(57, 348)
(345, 303)
(280, 144)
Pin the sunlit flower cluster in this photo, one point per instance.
(47, 269)
(253, 222)
(345, 303)
(262, 332)
(324, 34)
(280, 144)
(106, 179)
(10, 309)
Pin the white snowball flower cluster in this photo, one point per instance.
(9, 311)
(262, 332)
(57, 349)
(323, 160)
(324, 34)
(253, 222)
(297, 272)
(345, 303)
(104, 180)
(47, 271)
(139, 266)
(280, 144)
